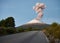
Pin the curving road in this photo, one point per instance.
(25, 37)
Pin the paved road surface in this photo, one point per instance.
(25, 37)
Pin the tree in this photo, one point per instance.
(54, 24)
(7, 26)
(10, 22)
(2, 23)
(53, 32)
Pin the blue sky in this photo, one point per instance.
(22, 10)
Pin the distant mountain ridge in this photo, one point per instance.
(34, 25)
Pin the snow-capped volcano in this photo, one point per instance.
(34, 21)
(34, 24)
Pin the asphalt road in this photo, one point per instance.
(25, 37)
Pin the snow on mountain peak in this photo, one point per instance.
(34, 21)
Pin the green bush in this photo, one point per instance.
(7, 30)
(29, 29)
(11, 30)
(3, 31)
(53, 30)
(20, 30)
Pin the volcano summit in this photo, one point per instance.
(36, 22)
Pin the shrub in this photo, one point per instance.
(20, 30)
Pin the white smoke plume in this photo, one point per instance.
(39, 9)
